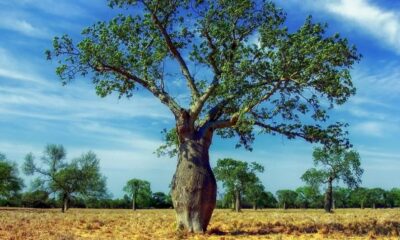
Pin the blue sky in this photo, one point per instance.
(35, 109)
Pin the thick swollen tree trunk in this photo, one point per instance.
(194, 189)
(238, 204)
(329, 197)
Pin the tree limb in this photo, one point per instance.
(160, 94)
(171, 46)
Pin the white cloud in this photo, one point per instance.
(26, 93)
(382, 23)
(18, 69)
(17, 24)
(374, 129)
(54, 7)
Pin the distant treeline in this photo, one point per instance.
(302, 197)
(43, 199)
(78, 183)
(308, 197)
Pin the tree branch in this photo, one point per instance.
(160, 94)
(217, 73)
(172, 48)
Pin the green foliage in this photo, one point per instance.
(140, 191)
(376, 198)
(254, 193)
(80, 177)
(161, 200)
(239, 178)
(169, 148)
(10, 182)
(308, 197)
(237, 175)
(393, 197)
(278, 85)
(358, 197)
(286, 198)
(335, 164)
(341, 197)
(37, 199)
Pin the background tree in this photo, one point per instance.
(376, 198)
(277, 85)
(308, 197)
(393, 197)
(161, 200)
(140, 192)
(37, 199)
(341, 197)
(80, 177)
(269, 200)
(286, 198)
(10, 182)
(237, 176)
(358, 197)
(254, 194)
(335, 164)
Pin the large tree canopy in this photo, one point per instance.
(10, 182)
(80, 177)
(244, 71)
(270, 83)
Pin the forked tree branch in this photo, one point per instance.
(159, 93)
(174, 51)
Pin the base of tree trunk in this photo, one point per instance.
(194, 188)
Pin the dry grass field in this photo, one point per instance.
(225, 224)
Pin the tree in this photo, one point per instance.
(237, 177)
(358, 197)
(341, 197)
(254, 193)
(140, 191)
(286, 198)
(393, 197)
(335, 164)
(80, 177)
(37, 199)
(376, 197)
(275, 87)
(161, 200)
(10, 182)
(307, 197)
(269, 200)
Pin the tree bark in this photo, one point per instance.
(238, 204)
(65, 204)
(194, 188)
(254, 206)
(329, 197)
(134, 202)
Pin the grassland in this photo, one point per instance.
(225, 224)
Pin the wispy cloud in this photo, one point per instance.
(53, 7)
(18, 23)
(18, 69)
(374, 129)
(366, 15)
(382, 23)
